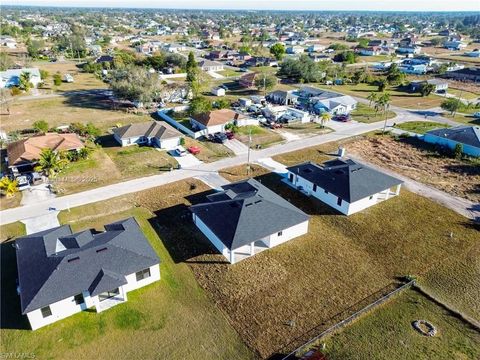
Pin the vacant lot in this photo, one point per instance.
(421, 127)
(171, 319)
(398, 97)
(387, 333)
(66, 109)
(366, 114)
(261, 137)
(420, 161)
(338, 267)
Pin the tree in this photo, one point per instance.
(452, 105)
(383, 103)
(43, 74)
(426, 89)
(347, 57)
(193, 74)
(278, 50)
(135, 84)
(303, 69)
(265, 81)
(395, 76)
(40, 126)
(9, 186)
(34, 47)
(382, 85)
(57, 79)
(222, 104)
(199, 105)
(372, 98)
(324, 118)
(50, 162)
(25, 83)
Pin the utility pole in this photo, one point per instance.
(248, 153)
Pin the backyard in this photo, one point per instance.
(172, 318)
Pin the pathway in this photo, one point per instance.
(213, 179)
(236, 146)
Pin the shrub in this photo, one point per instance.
(458, 152)
(57, 79)
(182, 141)
(15, 91)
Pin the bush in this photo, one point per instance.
(15, 91)
(182, 141)
(57, 79)
(458, 152)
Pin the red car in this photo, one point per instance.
(194, 150)
(230, 135)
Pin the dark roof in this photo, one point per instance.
(155, 129)
(247, 211)
(55, 264)
(345, 178)
(104, 58)
(468, 135)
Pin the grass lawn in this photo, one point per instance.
(261, 137)
(366, 114)
(387, 333)
(229, 72)
(11, 230)
(170, 319)
(307, 128)
(464, 117)
(421, 127)
(468, 95)
(209, 151)
(361, 256)
(397, 96)
(64, 110)
(10, 201)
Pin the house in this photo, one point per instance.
(215, 120)
(246, 218)
(218, 91)
(11, 77)
(419, 69)
(24, 154)
(207, 65)
(467, 136)
(316, 48)
(454, 45)
(61, 273)
(295, 50)
(465, 74)
(247, 80)
(370, 51)
(409, 49)
(441, 86)
(282, 97)
(154, 133)
(104, 59)
(8, 42)
(328, 101)
(475, 53)
(175, 48)
(343, 184)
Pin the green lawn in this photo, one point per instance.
(468, 95)
(421, 127)
(366, 114)
(229, 72)
(387, 333)
(170, 319)
(261, 137)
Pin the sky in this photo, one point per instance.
(379, 5)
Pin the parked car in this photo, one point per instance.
(477, 114)
(180, 151)
(194, 150)
(23, 182)
(230, 135)
(342, 118)
(220, 137)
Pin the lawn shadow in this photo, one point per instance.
(11, 315)
(182, 239)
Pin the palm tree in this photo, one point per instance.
(25, 83)
(384, 103)
(9, 186)
(324, 118)
(372, 97)
(50, 162)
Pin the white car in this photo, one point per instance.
(477, 114)
(23, 182)
(180, 151)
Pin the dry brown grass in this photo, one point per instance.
(419, 161)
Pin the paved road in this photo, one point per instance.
(131, 186)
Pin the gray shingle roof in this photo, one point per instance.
(469, 135)
(56, 264)
(149, 129)
(345, 178)
(247, 211)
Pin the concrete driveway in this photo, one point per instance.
(35, 194)
(42, 222)
(213, 179)
(236, 146)
(186, 161)
(215, 75)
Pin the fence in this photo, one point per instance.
(177, 125)
(349, 319)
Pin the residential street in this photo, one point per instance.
(64, 202)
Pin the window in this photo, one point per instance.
(326, 192)
(79, 299)
(370, 198)
(46, 311)
(314, 187)
(143, 274)
(339, 202)
(280, 233)
(108, 294)
(290, 177)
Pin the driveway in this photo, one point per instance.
(35, 194)
(236, 146)
(42, 222)
(213, 179)
(215, 75)
(272, 165)
(187, 161)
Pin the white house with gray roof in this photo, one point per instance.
(467, 136)
(11, 77)
(328, 101)
(343, 184)
(154, 133)
(246, 218)
(61, 273)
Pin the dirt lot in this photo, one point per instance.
(419, 161)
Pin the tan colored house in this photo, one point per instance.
(24, 154)
(215, 121)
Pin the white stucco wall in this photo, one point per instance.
(169, 144)
(247, 121)
(211, 236)
(67, 307)
(287, 234)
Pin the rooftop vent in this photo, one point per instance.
(100, 250)
(73, 259)
(307, 170)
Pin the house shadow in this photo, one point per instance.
(11, 315)
(426, 113)
(182, 239)
(107, 141)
